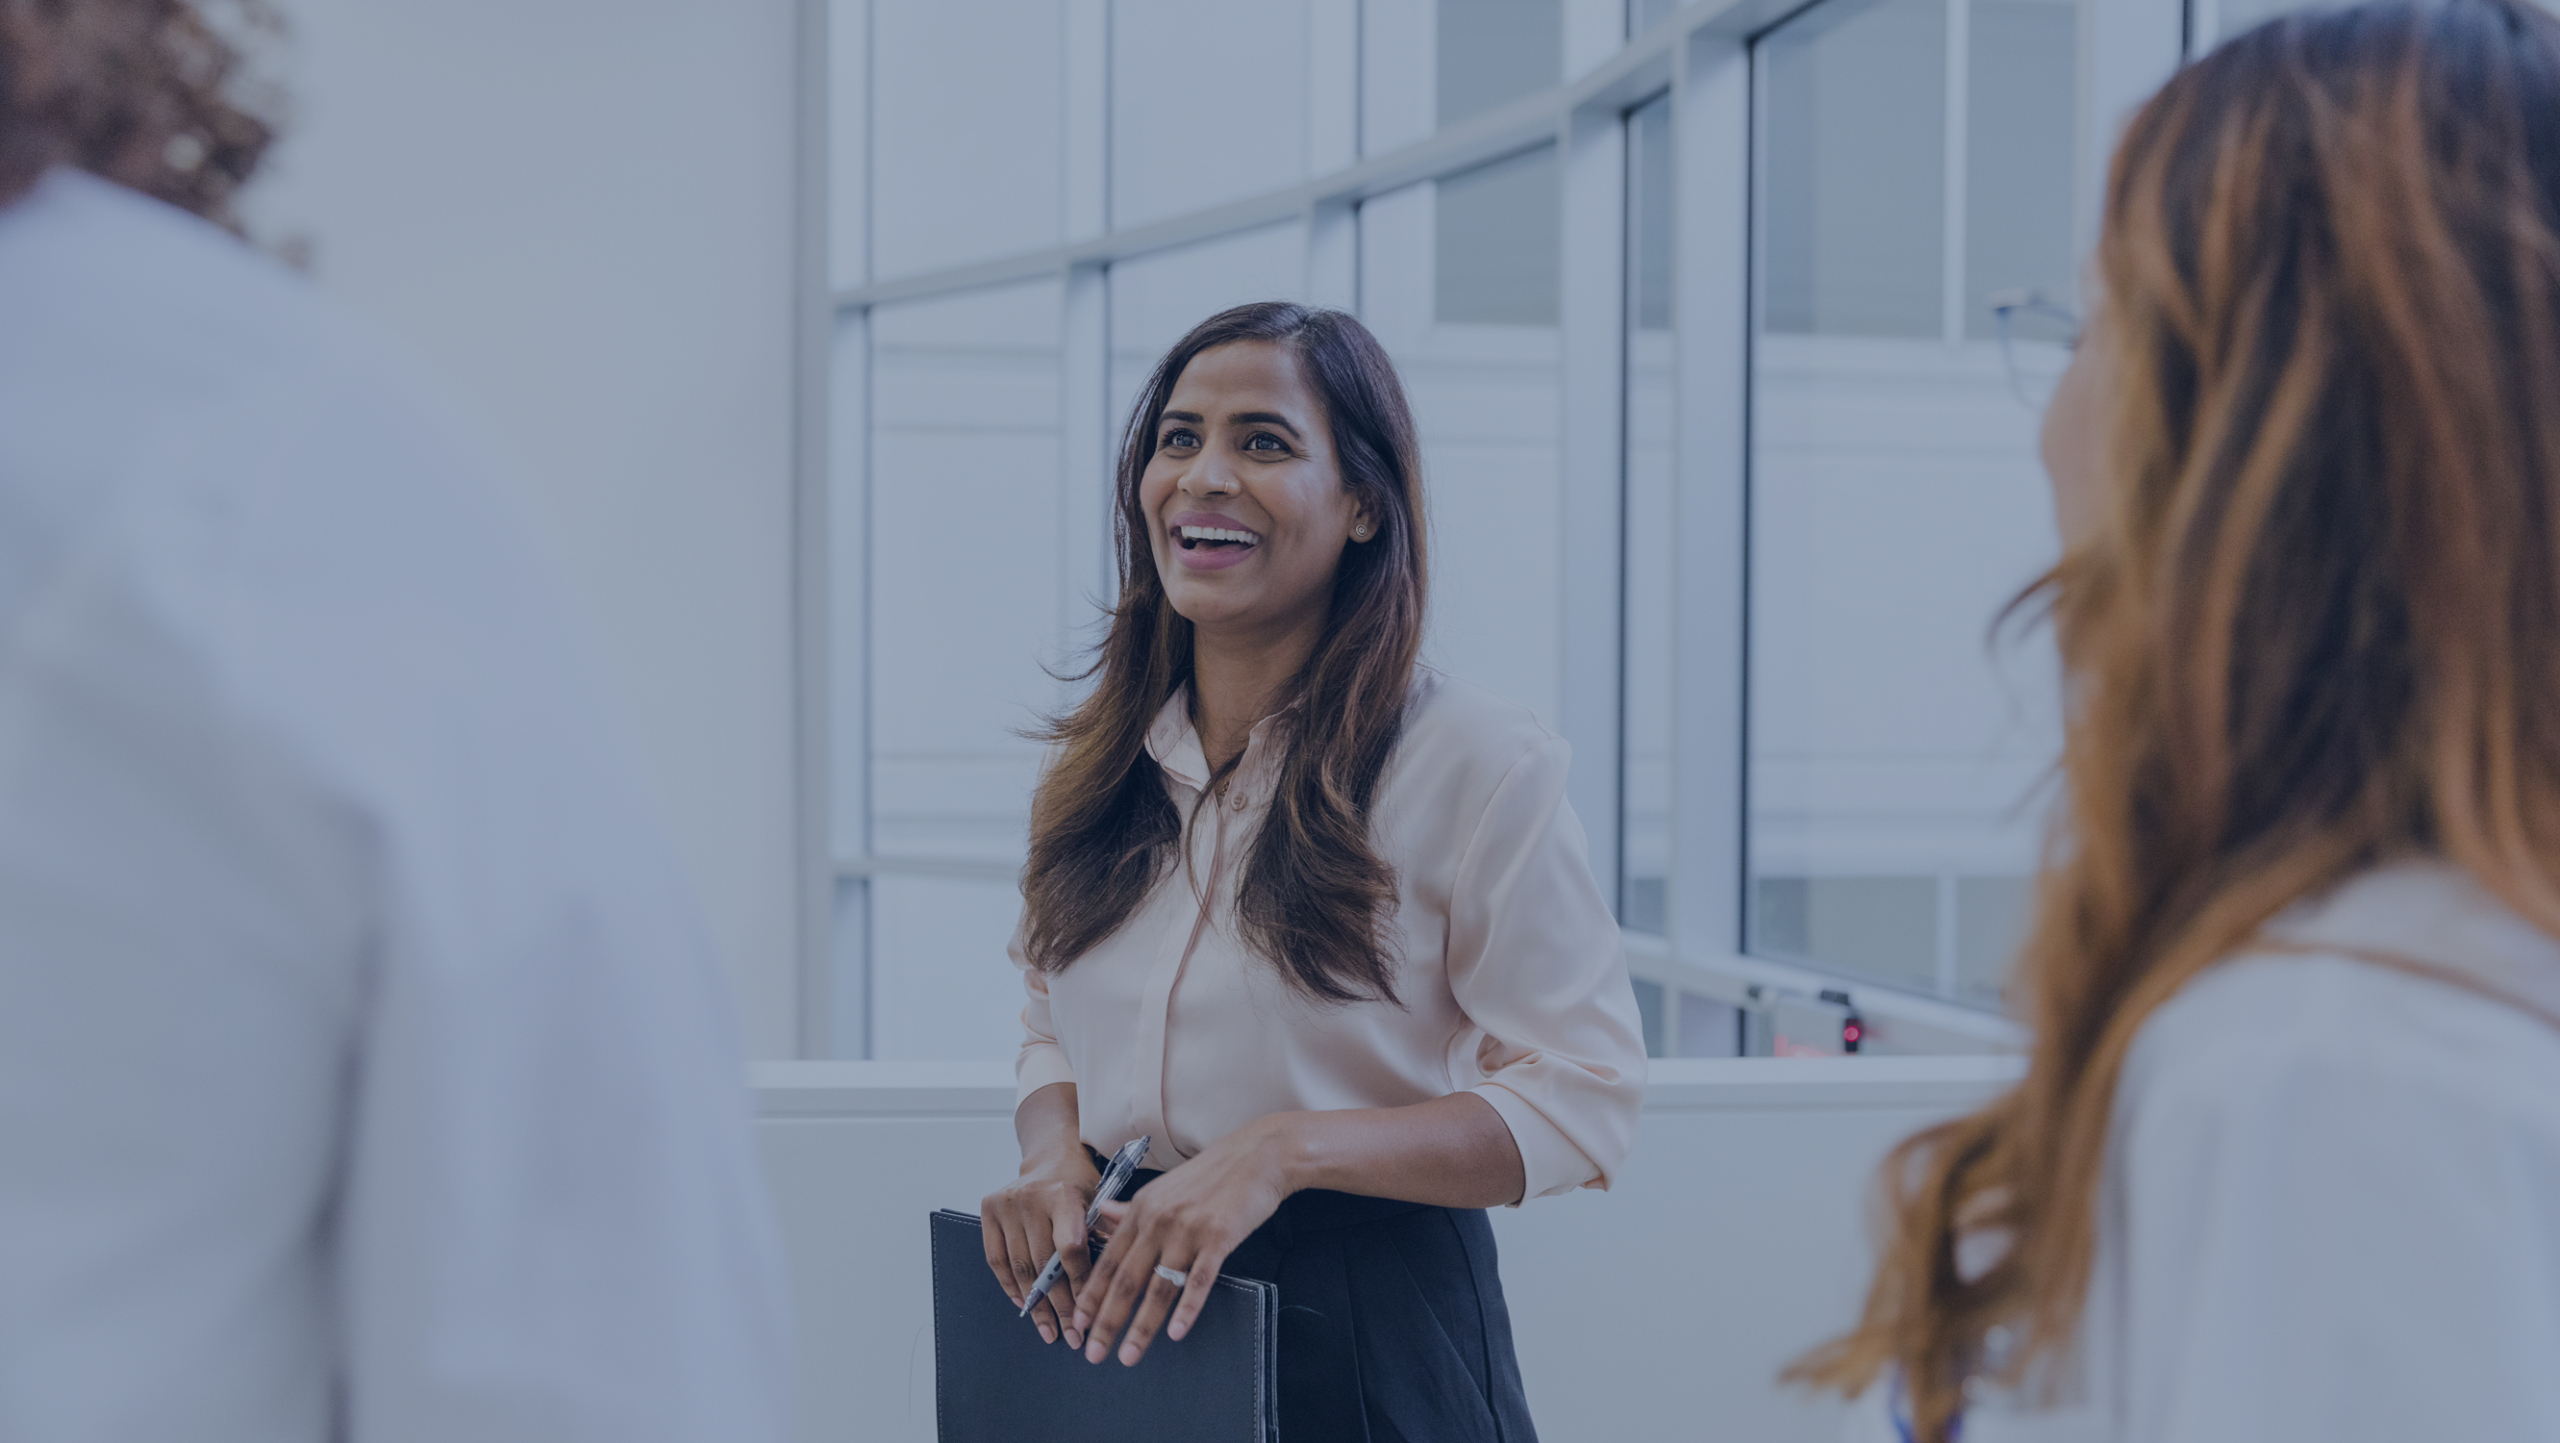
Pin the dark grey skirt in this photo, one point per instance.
(1392, 1324)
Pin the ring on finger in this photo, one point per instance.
(1175, 1276)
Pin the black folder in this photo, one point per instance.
(994, 1381)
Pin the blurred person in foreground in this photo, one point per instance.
(363, 1074)
(2286, 1162)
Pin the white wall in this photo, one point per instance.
(1660, 1310)
(581, 212)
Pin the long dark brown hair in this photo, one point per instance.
(145, 93)
(2317, 627)
(1315, 896)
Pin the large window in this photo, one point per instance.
(1915, 198)
(1726, 330)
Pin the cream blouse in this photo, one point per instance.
(1510, 976)
(2331, 1201)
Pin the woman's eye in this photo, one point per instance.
(1264, 441)
(1178, 437)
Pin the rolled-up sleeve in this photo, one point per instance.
(1535, 961)
(1042, 1061)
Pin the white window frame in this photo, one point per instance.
(1701, 55)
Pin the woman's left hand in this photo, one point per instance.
(1188, 1221)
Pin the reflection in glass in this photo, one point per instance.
(1493, 51)
(1896, 500)
(1499, 242)
(1648, 668)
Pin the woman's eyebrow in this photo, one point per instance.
(1193, 417)
(1262, 418)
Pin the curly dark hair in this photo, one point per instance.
(147, 93)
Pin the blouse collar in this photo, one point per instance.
(1175, 744)
(2434, 912)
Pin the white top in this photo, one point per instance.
(364, 1074)
(1512, 981)
(2332, 1207)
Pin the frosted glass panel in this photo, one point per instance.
(1493, 51)
(966, 430)
(956, 90)
(1500, 242)
(1852, 166)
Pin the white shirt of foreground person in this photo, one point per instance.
(2331, 1212)
(1511, 975)
(363, 1072)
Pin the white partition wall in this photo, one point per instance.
(1661, 1310)
(583, 224)
(1727, 326)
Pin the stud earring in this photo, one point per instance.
(1360, 529)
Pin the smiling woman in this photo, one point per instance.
(1312, 917)
(1312, 444)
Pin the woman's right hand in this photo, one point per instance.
(1042, 1212)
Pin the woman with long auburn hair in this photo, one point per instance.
(1308, 915)
(2286, 1160)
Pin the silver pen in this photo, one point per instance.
(1123, 1163)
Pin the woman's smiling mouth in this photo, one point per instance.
(1208, 541)
(1214, 537)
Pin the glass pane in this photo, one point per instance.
(1649, 1015)
(1487, 402)
(1897, 500)
(1208, 103)
(2024, 71)
(1709, 1028)
(965, 401)
(1493, 51)
(1886, 927)
(1500, 242)
(1853, 170)
(1991, 920)
(1649, 660)
(1003, 55)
